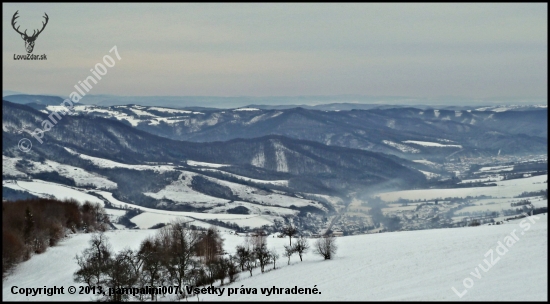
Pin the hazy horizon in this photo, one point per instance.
(491, 52)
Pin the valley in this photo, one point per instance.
(268, 181)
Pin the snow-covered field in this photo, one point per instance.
(151, 217)
(401, 147)
(282, 182)
(420, 265)
(496, 204)
(80, 176)
(430, 144)
(8, 167)
(507, 188)
(260, 215)
(203, 164)
(246, 109)
(493, 178)
(429, 175)
(425, 162)
(138, 114)
(105, 163)
(47, 189)
(56, 266)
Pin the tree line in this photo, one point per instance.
(31, 226)
(180, 256)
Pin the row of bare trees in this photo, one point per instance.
(325, 246)
(175, 256)
(31, 226)
(180, 256)
(254, 252)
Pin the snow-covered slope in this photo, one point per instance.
(51, 190)
(507, 188)
(411, 266)
(418, 266)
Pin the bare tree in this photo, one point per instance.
(180, 244)
(289, 251)
(151, 253)
(301, 247)
(325, 247)
(258, 238)
(212, 270)
(274, 257)
(262, 255)
(246, 256)
(242, 255)
(232, 269)
(94, 261)
(120, 274)
(250, 262)
(210, 245)
(290, 231)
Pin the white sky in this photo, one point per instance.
(418, 50)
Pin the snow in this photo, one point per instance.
(255, 119)
(151, 217)
(276, 114)
(8, 167)
(504, 108)
(156, 121)
(80, 176)
(507, 188)
(56, 266)
(401, 147)
(259, 159)
(400, 266)
(246, 109)
(334, 200)
(425, 162)
(490, 205)
(181, 191)
(429, 175)
(105, 163)
(168, 110)
(265, 198)
(147, 220)
(540, 203)
(267, 212)
(47, 189)
(142, 113)
(415, 266)
(95, 109)
(203, 164)
(429, 144)
(282, 165)
(496, 169)
(482, 180)
(283, 182)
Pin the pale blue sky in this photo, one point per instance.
(418, 50)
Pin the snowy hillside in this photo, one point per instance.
(507, 188)
(409, 266)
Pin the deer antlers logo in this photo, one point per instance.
(29, 40)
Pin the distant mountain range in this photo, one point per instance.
(308, 165)
(271, 161)
(336, 102)
(409, 133)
